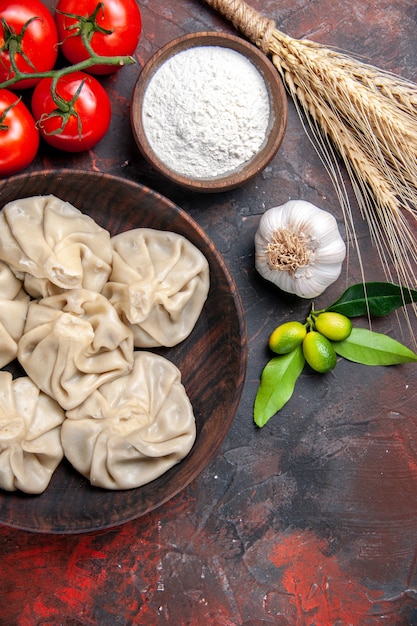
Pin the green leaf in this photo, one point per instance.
(277, 384)
(370, 348)
(376, 299)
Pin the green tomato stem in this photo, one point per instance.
(4, 126)
(14, 48)
(86, 26)
(83, 65)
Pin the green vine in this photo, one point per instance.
(85, 28)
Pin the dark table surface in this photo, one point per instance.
(311, 520)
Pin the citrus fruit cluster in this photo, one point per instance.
(328, 334)
(315, 337)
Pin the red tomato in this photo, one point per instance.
(19, 137)
(120, 19)
(32, 28)
(76, 127)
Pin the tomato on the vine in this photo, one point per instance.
(112, 28)
(76, 116)
(29, 35)
(19, 137)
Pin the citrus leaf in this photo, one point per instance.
(370, 348)
(377, 299)
(277, 384)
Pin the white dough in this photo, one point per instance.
(133, 429)
(72, 343)
(13, 310)
(158, 285)
(30, 443)
(52, 246)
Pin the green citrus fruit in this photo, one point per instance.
(319, 352)
(334, 326)
(287, 337)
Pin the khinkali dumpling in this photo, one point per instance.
(133, 429)
(30, 441)
(52, 246)
(158, 285)
(13, 310)
(72, 343)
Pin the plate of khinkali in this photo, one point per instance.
(123, 350)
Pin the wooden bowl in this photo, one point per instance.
(277, 120)
(212, 359)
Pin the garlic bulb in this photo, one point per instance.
(298, 247)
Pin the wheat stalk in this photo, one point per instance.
(368, 115)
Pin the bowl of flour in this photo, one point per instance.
(209, 111)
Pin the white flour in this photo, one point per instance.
(206, 111)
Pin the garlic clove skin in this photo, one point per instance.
(299, 248)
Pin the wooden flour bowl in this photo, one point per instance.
(277, 118)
